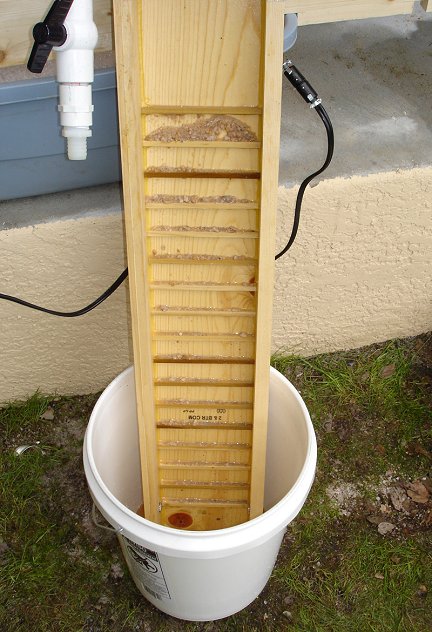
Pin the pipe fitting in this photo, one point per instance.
(75, 74)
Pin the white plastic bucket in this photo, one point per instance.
(198, 575)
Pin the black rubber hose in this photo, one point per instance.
(78, 312)
(330, 149)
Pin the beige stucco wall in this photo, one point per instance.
(63, 265)
(359, 272)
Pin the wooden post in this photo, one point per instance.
(199, 85)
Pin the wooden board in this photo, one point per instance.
(199, 86)
(17, 19)
(320, 11)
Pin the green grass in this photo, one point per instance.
(42, 586)
(22, 415)
(335, 573)
(357, 378)
(376, 385)
(367, 406)
(37, 577)
(354, 597)
(344, 576)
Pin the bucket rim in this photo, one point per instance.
(271, 521)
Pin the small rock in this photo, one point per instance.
(374, 519)
(407, 505)
(368, 507)
(385, 527)
(422, 591)
(418, 492)
(397, 497)
(265, 616)
(379, 576)
(103, 600)
(388, 370)
(48, 415)
(116, 571)
(289, 600)
(287, 614)
(328, 424)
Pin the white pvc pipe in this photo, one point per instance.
(75, 74)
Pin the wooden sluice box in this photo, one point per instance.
(199, 88)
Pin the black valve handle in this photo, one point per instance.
(51, 32)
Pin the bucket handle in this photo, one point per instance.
(100, 525)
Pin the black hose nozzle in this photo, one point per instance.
(302, 86)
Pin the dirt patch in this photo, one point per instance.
(345, 496)
(392, 506)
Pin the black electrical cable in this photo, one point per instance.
(78, 312)
(311, 97)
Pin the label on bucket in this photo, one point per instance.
(148, 569)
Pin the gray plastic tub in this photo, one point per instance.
(32, 150)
